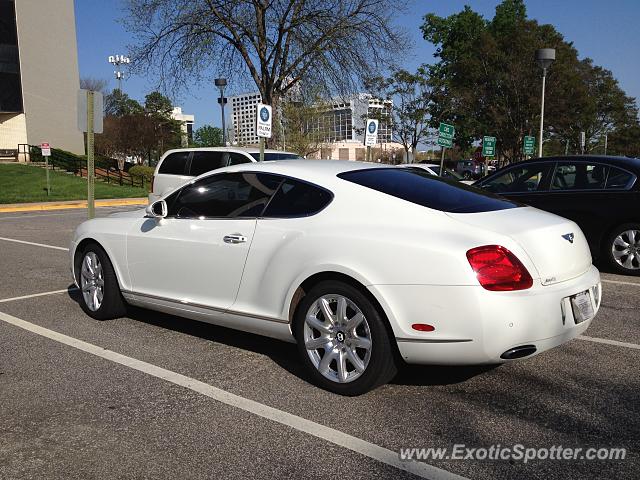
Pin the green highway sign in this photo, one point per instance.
(488, 146)
(446, 131)
(445, 142)
(529, 145)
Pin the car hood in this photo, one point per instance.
(129, 214)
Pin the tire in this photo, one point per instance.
(352, 368)
(100, 295)
(621, 249)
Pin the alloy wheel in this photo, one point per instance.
(626, 249)
(337, 338)
(92, 281)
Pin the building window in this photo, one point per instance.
(10, 88)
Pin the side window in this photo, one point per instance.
(175, 164)
(203, 162)
(237, 158)
(297, 199)
(227, 195)
(579, 176)
(619, 179)
(519, 179)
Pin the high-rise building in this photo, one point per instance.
(243, 117)
(39, 78)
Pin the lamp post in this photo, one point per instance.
(221, 83)
(116, 61)
(544, 57)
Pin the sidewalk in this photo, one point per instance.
(32, 207)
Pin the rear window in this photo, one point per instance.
(427, 190)
(277, 156)
(174, 164)
(203, 162)
(619, 179)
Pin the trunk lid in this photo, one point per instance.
(556, 246)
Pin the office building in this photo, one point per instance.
(186, 125)
(39, 78)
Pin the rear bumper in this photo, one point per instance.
(476, 326)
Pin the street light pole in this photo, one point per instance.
(221, 83)
(544, 57)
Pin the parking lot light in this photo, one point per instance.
(544, 57)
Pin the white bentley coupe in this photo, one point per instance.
(362, 266)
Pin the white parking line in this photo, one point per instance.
(300, 424)
(33, 243)
(618, 282)
(606, 341)
(23, 297)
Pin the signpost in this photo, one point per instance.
(488, 146)
(582, 142)
(529, 145)
(263, 125)
(446, 133)
(46, 153)
(371, 136)
(90, 115)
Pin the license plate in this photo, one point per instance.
(582, 306)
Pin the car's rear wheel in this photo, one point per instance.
(622, 249)
(101, 297)
(343, 340)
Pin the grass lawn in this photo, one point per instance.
(21, 183)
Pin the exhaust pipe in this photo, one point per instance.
(519, 352)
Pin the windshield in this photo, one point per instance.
(268, 156)
(447, 173)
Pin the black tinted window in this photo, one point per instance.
(237, 158)
(619, 179)
(530, 177)
(175, 164)
(579, 176)
(427, 190)
(231, 195)
(203, 162)
(297, 199)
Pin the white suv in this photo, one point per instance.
(178, 166)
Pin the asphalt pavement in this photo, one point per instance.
(158, 396)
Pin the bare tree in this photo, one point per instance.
(276, 43)
(95, 84)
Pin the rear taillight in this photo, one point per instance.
(498, 269)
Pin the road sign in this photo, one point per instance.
(529, 145)
(98, 111)
(489, 146)
(46, 149)
(446, 131)
(263, 120)
(371, 135)
(445, 142)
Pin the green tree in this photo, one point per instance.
(117, 104)
(207, 136)
(486, 81)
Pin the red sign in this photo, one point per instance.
(46, 149)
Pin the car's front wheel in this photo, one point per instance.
(343, 340)
(622, 249)
(101, 297)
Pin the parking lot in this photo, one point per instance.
(152, 395)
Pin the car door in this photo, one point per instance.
(524, 182)
(197, 253)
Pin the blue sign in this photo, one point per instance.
(264, 114)
(372, 127)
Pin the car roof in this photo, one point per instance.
(228, 149)
(624, 162)
(319, 170)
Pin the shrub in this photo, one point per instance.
(142, 171)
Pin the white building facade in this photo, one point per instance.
(186, 127)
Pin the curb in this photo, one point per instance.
(34, 207)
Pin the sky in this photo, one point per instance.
(606, 31)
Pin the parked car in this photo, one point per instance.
(300, 251)
(470, 169)
(601, 194)
(434, 169)
(178, 166)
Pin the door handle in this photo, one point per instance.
(234, 238)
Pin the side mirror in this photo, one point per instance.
(157, 209)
